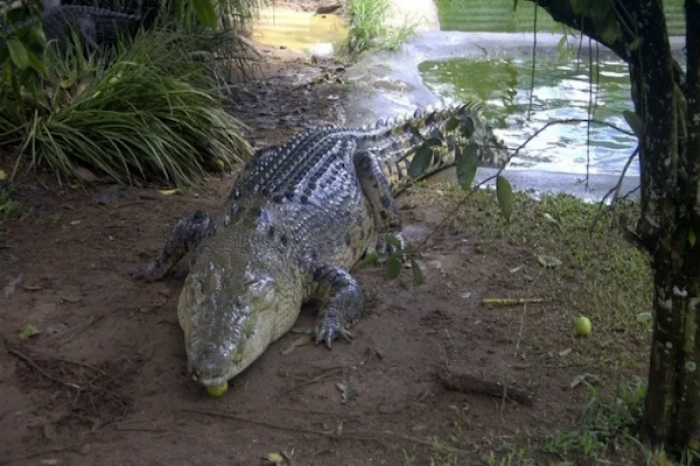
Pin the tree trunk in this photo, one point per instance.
(669, 108)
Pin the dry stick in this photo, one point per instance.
(331, 435)
(467, 383)
(320, 377)
(511, 301)
(32, 364)
(316, 379)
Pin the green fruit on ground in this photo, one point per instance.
(582, 326)
(218, 391)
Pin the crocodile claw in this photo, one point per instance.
(328, 333)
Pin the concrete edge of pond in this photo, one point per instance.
(385, 83)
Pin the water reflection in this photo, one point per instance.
(562, 90)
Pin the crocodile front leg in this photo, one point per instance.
(342, 307)
(184, 237)
(377, 190)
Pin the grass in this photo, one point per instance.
(151, 112)
(600, 276)
(367, 29)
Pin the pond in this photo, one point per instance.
(562, 90)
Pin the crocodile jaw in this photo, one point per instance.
(226, 325)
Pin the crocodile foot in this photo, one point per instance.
(327, 332)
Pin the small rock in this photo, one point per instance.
(49, 461)
(85, 449)
(167, 292)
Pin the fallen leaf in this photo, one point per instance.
(276, 459)
(584, 379)
(27, 331)
(301, 341)
(168, 192)
(564, 352)
(549, 262)
(3, 175)
(85, 174)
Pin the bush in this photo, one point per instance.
(150, 111)
(367, 30)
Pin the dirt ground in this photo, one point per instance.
(105, 382)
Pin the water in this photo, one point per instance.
(562, 90)
(298, 30)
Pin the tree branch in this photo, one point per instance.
(561, 11)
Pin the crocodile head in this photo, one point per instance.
(226, 310)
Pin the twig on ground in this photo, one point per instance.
(510, 301)
(467, 383)
(30, 362)
(318, 378)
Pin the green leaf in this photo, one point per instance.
(393, 241)
(421, 162)
(598, 11)
(467, 127)
(18, 53)
(432, 142)
(37, 63)
(609, 29)
(37, 35)
(636, 43)
(515, 5)
(452, 124)
(467, 162)
(691, 237)
(504, 193)
(393, 266)
(634, 121)
(577, 6)
(418, 276)
(205, 12)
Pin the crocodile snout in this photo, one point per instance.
(211, 367)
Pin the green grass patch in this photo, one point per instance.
(150, 112)
(599, 276)
(367, 28)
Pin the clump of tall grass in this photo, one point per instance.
(367, 29)
(151, 111)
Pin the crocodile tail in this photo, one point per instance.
(391, 141)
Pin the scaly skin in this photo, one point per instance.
(298, 218)
(97, 26)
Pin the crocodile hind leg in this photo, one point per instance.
(377, 190)
(184, 237)
(341, 307)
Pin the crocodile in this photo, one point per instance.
(298, 218)
(97, 26)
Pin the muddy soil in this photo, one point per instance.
(105, 382)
